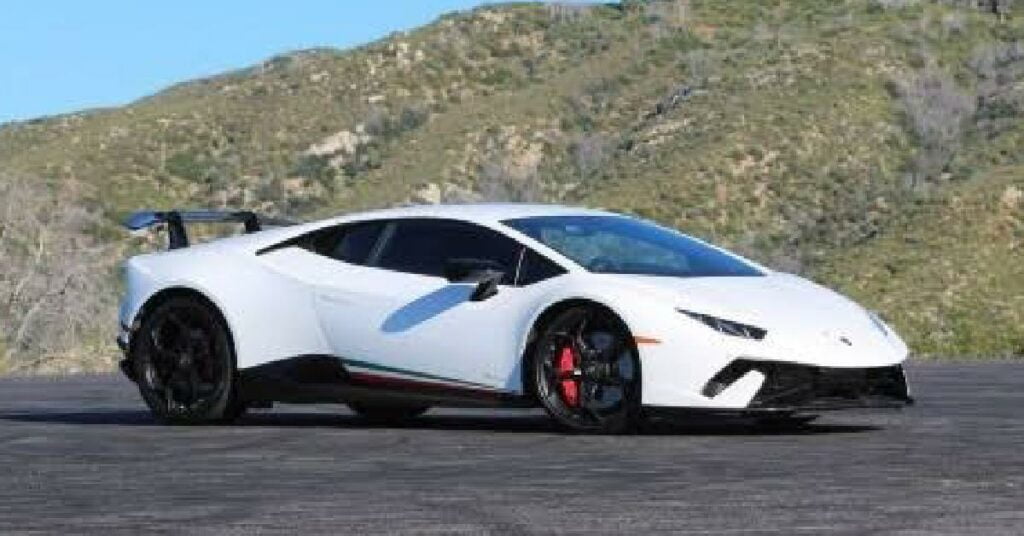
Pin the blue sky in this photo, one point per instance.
(58, 56)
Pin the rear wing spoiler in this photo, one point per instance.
(177, 236)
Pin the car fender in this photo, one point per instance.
(676, 355)
(276, 321)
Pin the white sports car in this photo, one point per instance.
(599, 318)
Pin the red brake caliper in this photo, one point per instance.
(567, 384)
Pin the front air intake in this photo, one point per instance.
(795, 386)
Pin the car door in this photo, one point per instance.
(406, 321)
(384, 308)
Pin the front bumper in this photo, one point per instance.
(796, 387)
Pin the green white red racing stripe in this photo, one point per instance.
(393, 377)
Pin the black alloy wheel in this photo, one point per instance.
(185, 365)
(586, 372)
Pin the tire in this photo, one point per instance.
(586, 372)
(387, 413)
(184, 364)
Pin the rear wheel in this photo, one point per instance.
(586, 372)
(386, 413)
(184, 364)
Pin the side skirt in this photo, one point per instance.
(313, 379)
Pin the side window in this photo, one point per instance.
(356, 243)
(537, 268)
(352, 243)
(421, 246)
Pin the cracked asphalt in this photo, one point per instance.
(81, 455)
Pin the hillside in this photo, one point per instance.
(870, 144)
(950, 270)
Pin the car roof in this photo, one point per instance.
(475, 212)
(487, 214)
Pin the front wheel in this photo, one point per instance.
(586, 372)
(184, 364)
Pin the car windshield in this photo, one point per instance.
(622, 245)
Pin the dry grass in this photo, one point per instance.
(55, 291)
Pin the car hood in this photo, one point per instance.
(799, 316)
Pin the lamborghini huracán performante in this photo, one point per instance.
(599, 318)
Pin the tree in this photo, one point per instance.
(496, 181)
(54, 285)
(936, 112)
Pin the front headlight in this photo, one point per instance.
(727, 327)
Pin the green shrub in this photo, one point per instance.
(187, 165)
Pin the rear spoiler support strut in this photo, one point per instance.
(177, 236)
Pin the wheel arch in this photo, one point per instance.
(542, 319)
(164, 295)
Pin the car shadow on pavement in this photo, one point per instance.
(539, 424)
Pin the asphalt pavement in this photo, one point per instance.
(81, 455)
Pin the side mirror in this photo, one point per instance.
(487, 274)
